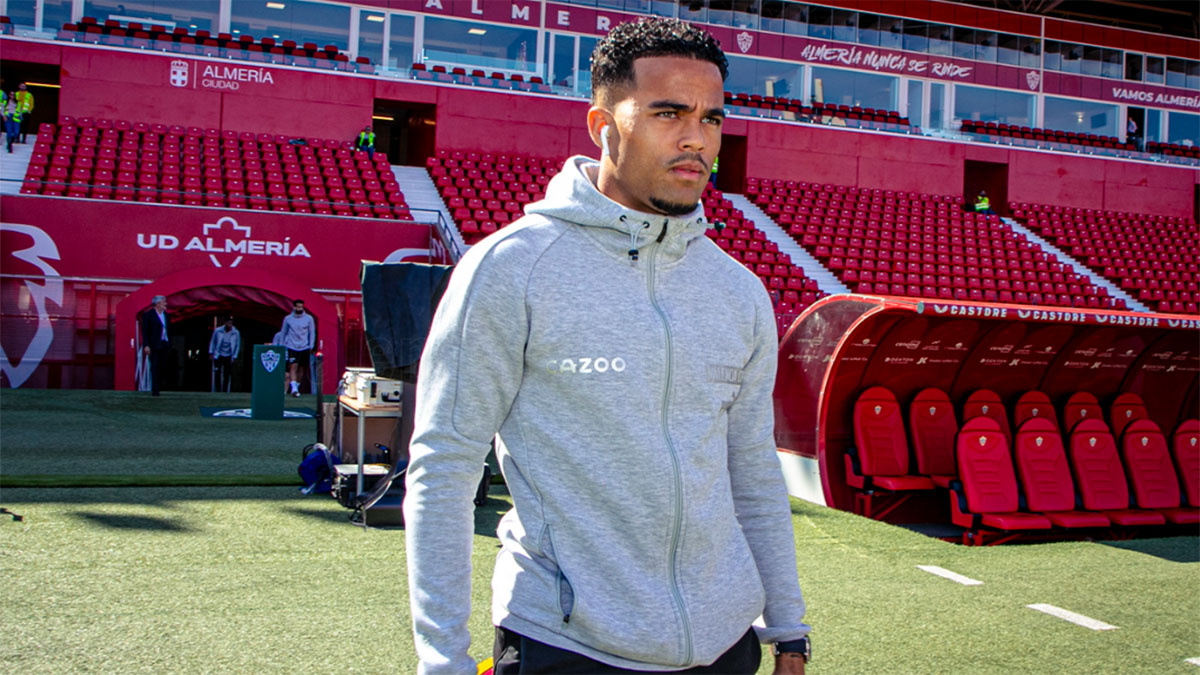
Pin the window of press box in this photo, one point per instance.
(745, 13)
(1155, 69)
(1052, 58)
(820, 22)
(852, 88)
(1112, 66)
(1092, 57)
(891, 32)
(1193, 75)
(985, 46)
(916, 36)
(1153, 125)
(1133, 67)
(478, 45)
(937, 105)
(783, 79)
(1072, 58)
(1183, 128)
(720, 12)
(964, 42)
(562, 60)
(915, 90)
(1084, 117)
(993, 105)
(370, 35)
(22, 13)
(400, 42)
(785, 16)
(583, 67)
(941, 39)
(637, 6)
(1031, 52)
(316, 22)
(194, 16)
(1008, 49)
(845, 25)
(1176, 73)
(54, 14)
(868, 29)
(693, 10)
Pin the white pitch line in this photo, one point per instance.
(1078, 619)
(1195, 661)
(952, 576)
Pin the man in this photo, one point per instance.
(1131, 132)
(154, 337)
(223, 350)
(25, 102)
(983, 204)
(366, 141)
(12, 121)
(298, 334)
(627, 365)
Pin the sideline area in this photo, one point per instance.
(258, 578)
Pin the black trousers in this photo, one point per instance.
(224, 366)
(156, 358)
(515, 654)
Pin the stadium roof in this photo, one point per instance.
(1170, 17)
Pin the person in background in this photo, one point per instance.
(1131, 132)
(626, 366)
(12, 121)
(366, 141)
(223, 350)
(154, 337)
(25, 101)
(983, 204)
(299, 334)
(713, 177)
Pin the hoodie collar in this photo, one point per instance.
(572, 196)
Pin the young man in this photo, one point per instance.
(298, 334)
(627, 365)
(223, 350)
(366, 141)
(155, 339)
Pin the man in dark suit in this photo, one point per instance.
(154, 337)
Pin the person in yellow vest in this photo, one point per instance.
(712, 176)
(366, 141)
(983, 204)
(12, 120)
(25, 101)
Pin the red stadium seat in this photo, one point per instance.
(933, 427)
(988, 494)
(1046, 478)
(1152, 473)
(1186, 451)
(985, 403)
(1126, 408)
(881, 443)
(1034, 404)
(1101, 478)
(1081, 406)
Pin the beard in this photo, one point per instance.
(672, 208)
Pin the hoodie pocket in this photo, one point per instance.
(566, 596)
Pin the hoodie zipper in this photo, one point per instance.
(677, 474)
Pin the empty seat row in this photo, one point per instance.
(1003, 130)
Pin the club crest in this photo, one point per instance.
(270, 360)
(984, 408)
(878, 409)
(1092, 441)
(745, 41)
(1145, 440)
(1035, 411)
(982, 441)
(1033, 78)
(1039, 441)
(932, 410)
(1128, 413)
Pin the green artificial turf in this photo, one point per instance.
(247, 575)
(242, 579)
(90, 438)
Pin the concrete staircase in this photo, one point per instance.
(813, 269)
(13, 166)
(426, 204)
(1078, 268)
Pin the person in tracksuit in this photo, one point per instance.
(626, 365)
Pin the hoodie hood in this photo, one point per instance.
(573, 197)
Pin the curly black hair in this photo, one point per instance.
(613, 57)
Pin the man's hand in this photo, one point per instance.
(789, 664)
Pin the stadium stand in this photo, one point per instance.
(1154, 257)
(480, 78)
(1046, 135)
(911, 244)
(753, 104)
(156, 163)
(202, 42)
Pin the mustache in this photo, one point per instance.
(689, 157)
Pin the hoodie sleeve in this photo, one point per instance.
(470, 372)
(759, 495)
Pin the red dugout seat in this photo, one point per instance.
(1034, 404)
(933, 427)
(1081, 406)
(986, 403)
(1186, 446)
(1101, 478)
(1126, 408)
(1046, 478)
(881, 444)
(1152, 473)
(989, 485)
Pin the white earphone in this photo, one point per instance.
(604, 151)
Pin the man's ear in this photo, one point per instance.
(600, 122)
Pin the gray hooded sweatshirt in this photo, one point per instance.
(627, 365)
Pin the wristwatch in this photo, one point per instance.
(802, 647)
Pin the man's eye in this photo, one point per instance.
(714, 120)
(669, 114)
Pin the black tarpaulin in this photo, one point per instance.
(398, 304)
